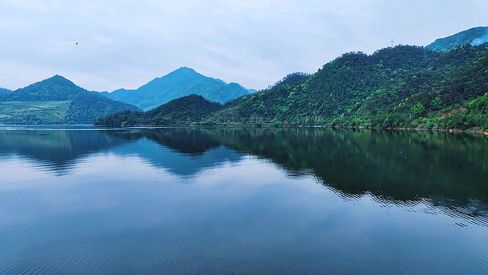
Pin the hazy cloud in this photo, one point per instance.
(126, 43)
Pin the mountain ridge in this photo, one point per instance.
(43, 90)
(178, 83)
(398, 87)
(56, 100)
(474, 37)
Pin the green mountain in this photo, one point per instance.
(182, 82)
(400, 87)
(397, 87)
(179, 112)
(474, 37)
(56, 101)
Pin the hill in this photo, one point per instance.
(56, 101)
(179, 83)
(179, 112)
(474, 37)
(398, 87)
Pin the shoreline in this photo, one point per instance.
(450, 131)
(257, 126)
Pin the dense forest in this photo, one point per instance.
(179, 112)
(400, 87)
(441, 86)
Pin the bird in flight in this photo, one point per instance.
(76, 43)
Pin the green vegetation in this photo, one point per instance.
(400, 87)
(56, 101)
(179, 112)
(472, 115)
(33, 112)
(88, 108)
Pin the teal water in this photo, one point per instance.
(219, 201)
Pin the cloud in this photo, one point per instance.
(126, 43)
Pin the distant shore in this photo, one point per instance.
(257, 126)
(269, 126)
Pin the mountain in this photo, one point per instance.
(401, 87)
(179, 112)
(56, 88)
(179, 83)
(474, 37)
(56, 100)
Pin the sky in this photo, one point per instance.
(125, 43)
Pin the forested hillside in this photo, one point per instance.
(404, 86)
(441, 86)
(56, 100)
(179, 112)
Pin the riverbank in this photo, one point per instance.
(276, 125)
(237, 125)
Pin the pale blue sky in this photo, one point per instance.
(253, 42)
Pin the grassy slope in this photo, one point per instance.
(33, 112)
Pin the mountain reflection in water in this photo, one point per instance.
(221, 201)
(404, 167)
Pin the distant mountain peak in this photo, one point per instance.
(182, 72)
(185, 69)
(179, 83)
(54, 88)
(474, 37)
(56, 100)
(56, 80)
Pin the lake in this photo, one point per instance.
(289, 201)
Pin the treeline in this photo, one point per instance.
(399, 87)
(179, 112)
(404, 86)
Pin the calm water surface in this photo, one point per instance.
(242, 201)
